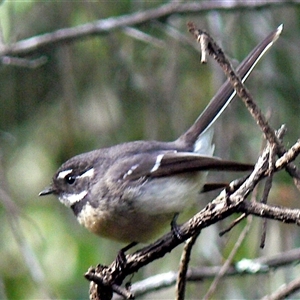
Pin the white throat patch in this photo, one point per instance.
(70, 199)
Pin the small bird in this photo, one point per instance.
(129, 192)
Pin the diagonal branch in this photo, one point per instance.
(229, 260)
(208, 44)
(104, 26)
(222, 207)
(227, 203)
(253, 267)
(284, 291)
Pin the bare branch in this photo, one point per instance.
(209, 45)
(284, 291)
(267, 189)
(217, 210)
(229, 260)
(233, 224)
(228, 202)
(283, 214)
(105, 26)
(22, 62)
(290, 155)
(141, 36)
(250, 267)
(183, 268)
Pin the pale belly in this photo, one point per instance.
(141, 215)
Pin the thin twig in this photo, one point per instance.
(284, 291)
(229, 260)
(183, 267)
(256, 266)
(23, 62)
(223, 206)
(233, 224)
(290, 155)
(104, 26)
(208, 44)
(219, 209)
(144, 37)
(217, 53)
(266, 191)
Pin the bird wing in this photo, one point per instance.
(169, 163)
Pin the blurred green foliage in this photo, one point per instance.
(103, 90)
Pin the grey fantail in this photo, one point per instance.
(130, 191)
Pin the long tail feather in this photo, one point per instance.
(226, 93)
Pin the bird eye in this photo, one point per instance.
(70, 179)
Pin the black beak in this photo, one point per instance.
(47, 191)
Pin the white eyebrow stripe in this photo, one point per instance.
(63, 174)
(88, 173)
(157, 162)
